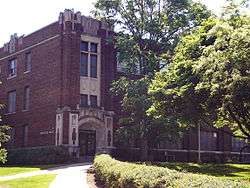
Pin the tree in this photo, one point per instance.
(4, 137)
(147, 29)
(209, 80)
(136, 123)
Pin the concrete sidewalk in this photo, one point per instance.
(67, 175)
(75, 177)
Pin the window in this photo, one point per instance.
(209, 141)
(93, 66)
(84, 46)
(84, 100)
(237, 144)
(12, 137)
(88, 59)
(26, 98)
(93, 47)
(12, 102)
(84, 64)
(27, 67)
(25, 135)
(12, 68)
(93, 100)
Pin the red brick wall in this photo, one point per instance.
(54, 81)
(44, 83)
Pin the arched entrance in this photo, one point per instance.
(92, 136)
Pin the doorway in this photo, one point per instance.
(87, 142)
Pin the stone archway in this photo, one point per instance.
(92, 128)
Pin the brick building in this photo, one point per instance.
(55, 85)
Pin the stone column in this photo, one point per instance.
(59, 129)
(73, 134)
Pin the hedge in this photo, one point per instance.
(117, 174)
(38, 155)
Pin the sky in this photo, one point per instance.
(27, 16)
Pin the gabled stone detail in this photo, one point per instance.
(89, 25)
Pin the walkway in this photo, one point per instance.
(74, 175)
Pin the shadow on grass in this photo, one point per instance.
(218, 170)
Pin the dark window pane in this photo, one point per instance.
(12, 67)
(12, 102)
(93, 47)
(84, 64)
(208, 141)
(84, 100)
(28, 62)
(84, 46)
(93, 100)
(93, 66)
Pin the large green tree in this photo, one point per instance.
(209, 79)
(136, 125)
(147, 31)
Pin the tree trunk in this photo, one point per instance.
(144, 149)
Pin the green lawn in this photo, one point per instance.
(230, 171)
(41, 181)
(12, 170)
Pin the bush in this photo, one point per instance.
(117, 174)
(38, 155)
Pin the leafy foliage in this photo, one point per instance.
(209, 80)
(146, 33)
(136, 124)
(122, 174)
(147, 29)
(4, 137)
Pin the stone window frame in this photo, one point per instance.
(12, 104)
(91, 101)
(12, 71)
(26, 98)
(27, 63)
(90, 53)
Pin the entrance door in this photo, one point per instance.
(87, 142)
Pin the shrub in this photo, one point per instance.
(117, 174)
(38, 155)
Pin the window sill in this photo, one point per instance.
(26, 72)
(88, 78)
(10, 77)
(10, 113)
(25, 110)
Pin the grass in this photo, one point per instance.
(12, 170)
(41, 181)
(228, 171)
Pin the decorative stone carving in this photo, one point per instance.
(6, 47)
(78, 17)
(59, 129)
(20, 40)
(90, 25)
(73, 129)
(12, 44)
